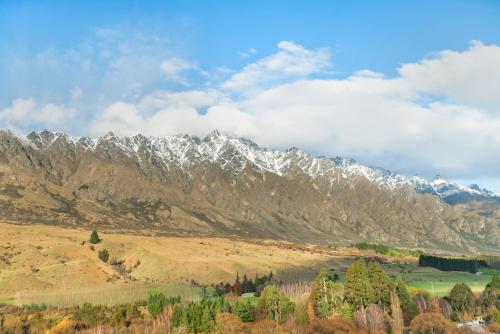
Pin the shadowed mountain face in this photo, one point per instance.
(222, 185)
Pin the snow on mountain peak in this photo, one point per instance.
(235, 154)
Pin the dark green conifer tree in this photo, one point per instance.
(94, 237)
(381, 284)
(357, 287)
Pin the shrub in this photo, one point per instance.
(245, 310)
(228, 323)
(495, 316)
(64, 326)
(119, 314)
(177, 315)
(495, 282)
(300, 314)
(264, 327)
(103, 255)
(94, 237)
(335, 326)
(429, 323)
(200, 316)
(156, 304)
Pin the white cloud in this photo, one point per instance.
(291, 61)
(160, 113)
(23, 114)
(471, 77)
(176, 68)
(440, 114)
(53, 114)
(248, 53)
(17, 111)
(391, 122)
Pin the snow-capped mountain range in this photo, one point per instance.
(234, 154)
(222, 185)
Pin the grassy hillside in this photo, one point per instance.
(37, 261)
(53, 265)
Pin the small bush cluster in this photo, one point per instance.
(103, 255)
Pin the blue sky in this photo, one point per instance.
(406, 85)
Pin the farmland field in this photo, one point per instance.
(439, 283)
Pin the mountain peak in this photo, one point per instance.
(109, 135)
(234, 154)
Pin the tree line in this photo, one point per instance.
(451, 264)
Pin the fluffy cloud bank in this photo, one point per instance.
(439, 114)
(24, 112)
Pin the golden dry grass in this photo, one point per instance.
(41, 263)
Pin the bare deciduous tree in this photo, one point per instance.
(371, 319)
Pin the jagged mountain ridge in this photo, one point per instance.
(180, 150)
(229, 186)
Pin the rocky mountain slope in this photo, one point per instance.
(221, 185)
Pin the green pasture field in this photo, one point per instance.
(439, 283)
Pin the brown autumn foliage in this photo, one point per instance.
(310, 311)
(264, 327)
(334, 326)
(494, 327)
(228, 323)
(433, 305)
(430, 323)
(65, 326)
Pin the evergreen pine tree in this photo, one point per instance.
(94, 237)
(245, 310)
(244, 284)
(408, 305)
(381, 284)
(206, 322)
(156, 304)
(461, 298)
(357, 287)
(177, 315)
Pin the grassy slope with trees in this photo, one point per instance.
(368, 300)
